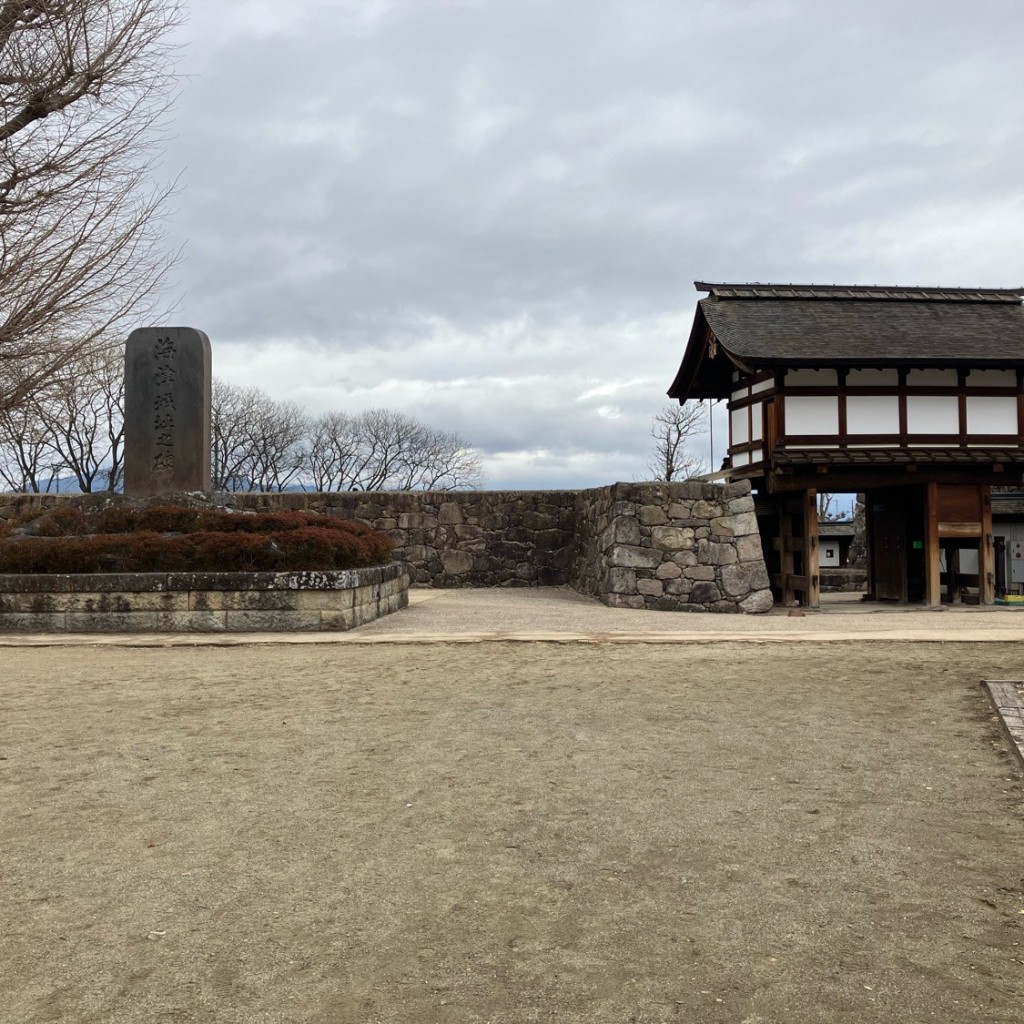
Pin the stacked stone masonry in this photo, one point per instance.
(690, 546)
(231, 602)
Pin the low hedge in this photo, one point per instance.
(177, 538)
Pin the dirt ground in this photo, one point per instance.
(509, 833)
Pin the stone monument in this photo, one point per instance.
(167, 402)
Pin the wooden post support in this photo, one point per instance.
(932, 550)
(786, 566)
(812, 595)
(986, 550)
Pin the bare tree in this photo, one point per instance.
(73, 426)
(830, 508)
(83, 86)
(82, 412)
(258, 444)
(381, 449)
(27, 460)
(673, 429)
(333, 451)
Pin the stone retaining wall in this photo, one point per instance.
(233, 602)
(673, 547)
(835, 580)
(688, 546)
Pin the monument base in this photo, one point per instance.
(215, 602)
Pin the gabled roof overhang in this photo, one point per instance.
(754, 328)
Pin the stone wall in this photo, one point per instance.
(836, 580)
(684, 546)
(207, 602)
(673, 547)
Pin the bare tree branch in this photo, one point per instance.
(84, 85)
(673, 430)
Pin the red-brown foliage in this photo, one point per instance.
(172, 538)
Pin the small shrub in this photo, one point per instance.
(66, 521)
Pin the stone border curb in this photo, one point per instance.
(230, 602)
(228, 639)
(1007, 703)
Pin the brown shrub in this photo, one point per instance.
(303, 548)
(66, 521)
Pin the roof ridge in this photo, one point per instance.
(894, 293)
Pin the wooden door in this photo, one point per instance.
(889, 548)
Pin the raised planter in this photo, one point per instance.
(182, 602)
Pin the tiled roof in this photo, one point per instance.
(833, 529)
(765, 326)
(1008, 504)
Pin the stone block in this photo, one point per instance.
(739, 580)
(672, 538)
(271, 621)
(679, 588)
(668, 571)
(630, 557)
(736, 490)
(738, 505)
(757, 603)
(721, 527)
(680, 510)
(32, 622)
(710, 553)
(748, 548)
(705, 593)
(339, 619)
(706, 510)
(745, 524)
(619, 581)
(653, 515)
(623, 508)
(650, 588)
(684, 559)
(449, 514)
(702, 573)
(144, 622)
(623, 600)
(621, 530)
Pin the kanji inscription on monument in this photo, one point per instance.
(167, 411)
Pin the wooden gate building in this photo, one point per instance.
(914, 396)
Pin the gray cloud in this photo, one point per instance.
(480, 211)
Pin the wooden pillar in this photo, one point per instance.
(932, 550)
(986, 552)
(812, 595)
(786, 564)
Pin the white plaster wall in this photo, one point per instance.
(739, 432)
(828, 552)
(931, 378)
(872, 414)
(764, 385)
(992, 378)
(872, 378)
(757, 422)
(991, 415)
(968, 560)
(740, 459)
(812, 378)
(933, 414)
(812, 414)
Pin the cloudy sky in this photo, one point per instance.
(490, 213)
